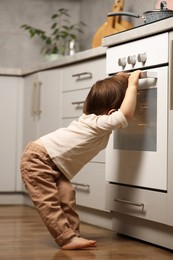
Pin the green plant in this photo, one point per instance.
(61, 33)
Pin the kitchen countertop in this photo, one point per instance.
(142, 31)
(66, 60)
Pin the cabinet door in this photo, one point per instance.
(89, 184)
(30, 119)
(77, 81)
(72, 103)
(41, 104)
(8, 132)
(84, 74)
(50, 102)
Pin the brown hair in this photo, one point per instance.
(106, 94)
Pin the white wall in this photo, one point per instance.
(17, 50)
(94, 13)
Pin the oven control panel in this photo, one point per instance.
(141, 57)
(137, 54)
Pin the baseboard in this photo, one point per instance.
(91, 216)
(95, 217)
(11, 198)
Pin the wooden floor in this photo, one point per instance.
(23, 236)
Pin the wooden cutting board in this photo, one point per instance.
(112, 25)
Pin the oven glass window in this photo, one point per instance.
(141, 133)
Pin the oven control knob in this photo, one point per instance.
(131, 60)
(122, 62)
(142, 57)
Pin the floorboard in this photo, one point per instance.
(23, 236)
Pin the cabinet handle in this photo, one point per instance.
(77, 184)
(79, 76)
(39, 84)
(78, 103)
(36, 99)
(127, 202)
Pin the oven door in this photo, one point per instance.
(137, 154)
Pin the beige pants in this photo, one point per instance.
(51, 192)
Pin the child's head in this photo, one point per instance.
(106, 95)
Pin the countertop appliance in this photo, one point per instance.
(139, 171)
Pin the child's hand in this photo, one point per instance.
(133, 78)
(129, 103)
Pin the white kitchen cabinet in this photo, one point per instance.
(77, 81)
(84, 74)
(10, 131)
(42, 104)
(89, 184)
(72, 103)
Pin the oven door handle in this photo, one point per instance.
(148, 74)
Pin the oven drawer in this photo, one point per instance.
(72, 103)
(89, 184)
(140, 203)
(138, 54)
(84, 74)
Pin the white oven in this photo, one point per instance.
(136, 156)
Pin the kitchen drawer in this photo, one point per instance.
(89, 184)
(140, 203)
(101, 157)
(72, 103)
(84, 74)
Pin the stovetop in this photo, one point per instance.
(140, 31)
(141, 25)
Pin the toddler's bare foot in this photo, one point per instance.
(79, 243)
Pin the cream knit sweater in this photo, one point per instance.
(72, 147)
